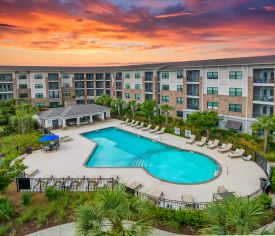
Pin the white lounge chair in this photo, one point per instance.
(237, 153)
(140, 126)
(214, 144)
(146, 128)
(154, 130)
(247, 158)
(227, 148)
(135, 124)
(202, 142)
(187, 198)
(192, 139)
(135, 185)
(67, 139)
(155, 193)
(161, 131)
(130, 123)
(125, 122)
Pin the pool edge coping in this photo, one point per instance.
(176, 147)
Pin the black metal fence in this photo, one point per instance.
(84, 184)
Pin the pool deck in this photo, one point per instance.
(237, 175)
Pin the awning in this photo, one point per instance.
(232, 124)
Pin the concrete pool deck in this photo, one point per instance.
(237, 175)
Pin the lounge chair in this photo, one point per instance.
(140, 126)
(154, 130)
(192, 139)
(31, 172)
(214, 144)
(67, 139)
(227, 148)
(161, 131)
(125, 122)
(135, 185)
(130, 123)
(221, 189)
(135, 124)
(247, 158)
(64, 137)
(155, 193)
(202, 142)
(146, 128)
(237, 153)
(187, 198)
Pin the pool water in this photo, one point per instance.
(118, 148)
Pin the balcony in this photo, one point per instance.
(193, 103)
(262, 110)
(263, 94)
(193, 76)
(263, 98)
(52, 77)
(264, 80)
(148, 76)
(79, 85)
(53, 86)
(263, 76)
(193, 90)
(99, 76)
(118, 76)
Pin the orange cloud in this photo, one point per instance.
(173, 14)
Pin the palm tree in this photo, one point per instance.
(133, 106)
(234, 216)
(148, 108)
(104, 100)
(166, 108)
(265, 123)
(109, 214)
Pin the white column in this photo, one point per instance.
(64, 123)
(91, 118)
(102, 116)
(78, 121)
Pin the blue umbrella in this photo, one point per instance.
(49, 138)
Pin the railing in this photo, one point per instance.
(263, 98)
(84, 184)
(264, 80)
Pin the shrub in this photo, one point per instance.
(26, 198)
(61, 214)
(265, 200)
(27, 215)
(6, 209)
(4, 230)
(194, 218)
(51, 193)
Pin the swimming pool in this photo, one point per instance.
(119, 148)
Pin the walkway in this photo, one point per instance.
(69, 230)
(237, 175)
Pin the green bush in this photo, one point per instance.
(192, 218)
(51, 193)
(265, 200)
(6, 209)
(4, 229)
(26, 216)
(26, 198)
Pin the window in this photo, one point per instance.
(235, 91)
(66, 85)
(99, 76)
(137, 96)
(39, 95)
(235, 107)
(212, 75)
(38, 76)
(137, 75)
(212, 90)
(23, 95)
(165, 98)
(137, 86)
(127, 86)
(179, 75)
(66, 93)
(37, 86)
(52, 76)
(79, 76)
(235, 75)
(22, 76)
(212, 105)
(65, 76)
(107, 76)
(180, 114)
(179, 100)
(39, 105)
(179, 88)
(90, 76)
(53, 94)
(165, 87)
(127, 95)
(127, 76)
(23, 86)
(165, 75)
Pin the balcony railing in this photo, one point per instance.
(264, 80)
(6, 80)
(6, 90)
(263, 98)
(192, 93)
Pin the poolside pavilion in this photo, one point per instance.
(75, 115)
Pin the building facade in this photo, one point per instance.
(239, 89)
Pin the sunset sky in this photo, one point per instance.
(104, 32)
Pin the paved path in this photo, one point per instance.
(69, 229)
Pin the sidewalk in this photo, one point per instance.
(69, 230)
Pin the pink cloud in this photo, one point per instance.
(176, 14)
(269, 8)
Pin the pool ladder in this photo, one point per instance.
(139, 160)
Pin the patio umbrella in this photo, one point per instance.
(49, 138)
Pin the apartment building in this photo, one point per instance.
(239, 89)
